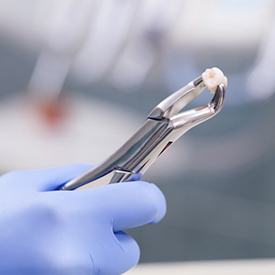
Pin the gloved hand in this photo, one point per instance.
(71, 232)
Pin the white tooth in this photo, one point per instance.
(213, 77)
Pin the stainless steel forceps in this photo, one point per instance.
(164, 125)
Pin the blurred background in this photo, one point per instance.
(78, 77)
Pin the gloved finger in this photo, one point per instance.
(44, 179)
(54, 178)
(118, 253)
(127, 205)
(130, 252)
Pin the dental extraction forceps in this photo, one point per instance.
(163, 126)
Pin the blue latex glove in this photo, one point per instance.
(71, 232)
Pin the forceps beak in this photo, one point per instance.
(171, 106)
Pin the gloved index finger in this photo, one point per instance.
(47, 179)
(126, 205)
(54, 178)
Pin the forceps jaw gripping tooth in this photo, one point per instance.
(164, 125)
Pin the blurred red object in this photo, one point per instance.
(52, 111)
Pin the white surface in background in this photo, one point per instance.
(93, 131)
(229, 24)
(261, 81)
(239, 267)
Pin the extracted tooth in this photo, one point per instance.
(213, 77)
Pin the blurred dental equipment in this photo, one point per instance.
(65, 32)
(150, 38)
(261, 79)
(163, 127)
